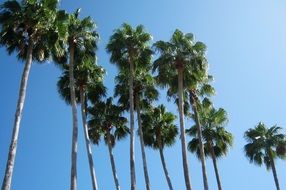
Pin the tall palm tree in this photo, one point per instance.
(215, 137)
(77, 34)
(27, 29)
(159, 132)
(264, 146)
(88, 85)
(181, 66)
(106, 121)
(127, 47)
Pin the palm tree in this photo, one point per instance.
(264, 146)
(27, 29)
(144, 93)
(127, 47)
(159, 132)
(181, 66)
(88, 85)
(215, 138)
(106, 121)
(78, 34)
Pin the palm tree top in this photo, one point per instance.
(158, 127)
(213, 123)
(130, 43)
(105, 116)
(29, 23)
(181, 51)
(77, 32)
(264, 143)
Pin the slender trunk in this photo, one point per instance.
(73, 185)
(165, 168)
(201, 145)
(6, 185)
(182, 129)
(147, 181)
(274, 172)
(112, 160)
(161, 147)
(87, 140)
(132, 136)
(215, 167)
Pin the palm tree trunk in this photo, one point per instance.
(165, 169)
(73, 185)
(87, 140)
(215, 167)
(6, 185)
(112, 160)
(274, 172)
(201, 145)
(182, 129)
(147, 181)
(132, 136)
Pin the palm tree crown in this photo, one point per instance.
(105, 116)
(264, 144)
(158, 128)
(214, 134)
(29, 23)
(129, 45)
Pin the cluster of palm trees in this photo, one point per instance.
(37, 31)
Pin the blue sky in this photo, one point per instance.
(246, 51)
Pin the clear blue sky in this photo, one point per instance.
(246, 51)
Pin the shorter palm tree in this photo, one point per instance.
(215, 137)
(264, 146)
(144, 94)
(88, 86)
(159, 131)
(106, 121)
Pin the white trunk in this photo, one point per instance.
(215, 167)
(182, 129)
(274, 172)
(147, 181)
(201, 144)
(87, 141)
(73, 185)
(165, 169)
(132, 136)
(6, 185)
(116, 181)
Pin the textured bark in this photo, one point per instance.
(215, 167)
(73, 185)
(112, 160)
(182, 129)
(87, 140)
(147, 181)
(165, 169)
(274, 173)
(6, 185)
(132, 136)
(201, 144)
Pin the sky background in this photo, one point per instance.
(246, 52)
